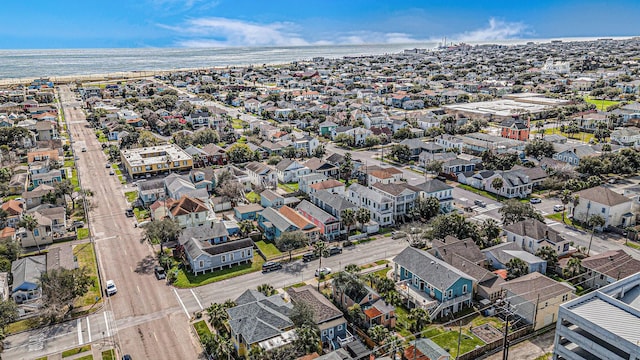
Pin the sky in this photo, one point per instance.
(64, 24)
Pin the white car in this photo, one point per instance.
(323, 271)
(558, 207)
(111, 287)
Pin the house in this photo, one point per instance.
(18, 184)
(300, 222)
(275, 222)
(608, 267)
(47, 178)
(207, 248)
(189, 212)
(499, 255)
(532, 235)
(214, 154)
(573, 154)
(333, 204)
(13, 210)
(402, 195)
(439, 190)
(515, 129)
(515, 183)
(151, 191)
(26, 274)
(260, 321)
(177, 186)
(425, 349)
(536, 298)
(376, 310)
(46, 130)
(416, 147)
(446, 248)
(305, 142)
(289, 170)
(157, 159)
(331, 324)
(34, 197)
(431, 283)
(331, 185)
(221, 203)
(270, 198)
(321, 167)
(326, 128)
(247, 212)
(261, 174)
(380, 207)
(627, 136)
(198, 119)
(600, 200)
(383, 175)
(328, 225)
(601, 324)
(310, 179)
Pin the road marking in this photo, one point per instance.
(155, 337)
(106, 323)
(182, 304)
(138, 287)
(88, 329)
(198, 301)
(105, 238)
(79, 324)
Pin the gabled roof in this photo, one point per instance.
(396, 189)
(433, 186)
(315, 212)
(258, 168)
(13, 207)
(316, 164)
(536, 230)
(427, 267)
(260, 319)
(186, 205)
(28, 270)
(616, 264)
(536, 287)
(326, 184)
(335, 201)
(276, 219)
(297, 219)
(602, 195)
(323, 309)
(451, 246)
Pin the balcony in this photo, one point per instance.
(347, 339)
(418, 298)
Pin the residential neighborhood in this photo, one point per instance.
(420, 205)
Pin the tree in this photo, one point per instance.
(356, 315)
(239, 153)
(348, 218)
(371, 141)
(290, 241)
(113, 152)
(565, 197)
(516, 267)
(497, 184)
(401, 153)
(302, 314)
(307, 340)
(539, 148)
(491, 230)
(594, 221)
(289, 152)
(231, 189)
(434, 166)
(548, 254)
(455, 225)
(363, 215)
(266, 289)
(218, 317)
(575, 200)
(352, 268)
(346, 168)
(402, 134)
(573, 268)
(162, 231)
(30, 223)
(378, 333)
(426, 208)
(419, 318)
(60, 287)
(384, 285)
(343, 139)
(513, 211)
(218, 346)
(246, 227)
(8, 313)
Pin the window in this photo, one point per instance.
(36, 232)
(201, 264)
(231, 257)
(249, 253)
(602, 210)
(224, 258)
(242, 254)
(386, 316)
(324, 332)
(339, 327)
(450, 293)
(464, 289)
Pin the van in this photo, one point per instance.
(480, 203)
(558, 207)
(308, 257)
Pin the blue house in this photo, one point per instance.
(428, 282)
(328, 318)
(26, 274)
(247, 212)
(274, 223)
(270, 198)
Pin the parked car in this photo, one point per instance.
(308, 257)
(398, 234)
(334, 250)
(323, 271)
(84, 149)
(160, 273)
(107, 165)
(78, 224)
(271, 266)
(111, 288)
(558, 207)
(112, 172)
(535, 200)
(129, 212)
(126, 357)
(480, 203)
(143, 223)
(612, 181)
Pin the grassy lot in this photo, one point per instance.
(21, 325)
(481, 320)
(382, 273)
(633, 245)
(131, 195)
(82, 233)
(581, 136)
(74, 180)
(141, 214)
(87, 258)
(448, 340)
(42, 358)
(556, 216)
(480, 192)
(237, 124)
(402, 321)
(69, 163)
(86, 357)
(76, 351)
(202, 329)
(253, 197)
(108, 355)
(290, 187)
(101, 136)
(601, 104)
(381, 262)
(188, 280)
(268, 249)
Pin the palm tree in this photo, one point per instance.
(576, 200)
(497, 184)
(228, 304)
(594, 221)
(392, 298)
(321, 250)
(372, 278)
(30, 223)
(352, 268)
(573, 269)
(378, 333)
(419, 318)
(218, 346)
(308, 339)
(356, 315)
(348, 218)
(266, 289)
(246, 227)
(548, 254)
(363, 215)
(217, 317)
(565, 198)
(516, 267)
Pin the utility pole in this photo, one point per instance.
(505, 341)
(459, 337)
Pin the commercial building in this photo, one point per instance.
(155, 160)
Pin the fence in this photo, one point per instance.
(477, 352)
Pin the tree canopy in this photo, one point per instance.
(513, 211)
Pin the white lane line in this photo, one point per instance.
(182, 304)
(106, 323)
(88, 329)
(198, 301)
(138, 287)
(79, 324)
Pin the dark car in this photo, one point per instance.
(334, 250)
(308, 257)
(126, 357)
(271, 266)
(160, 273)
(129, 212)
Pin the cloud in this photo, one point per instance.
(182, 5)
(497, 30)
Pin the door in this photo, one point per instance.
(330, 334)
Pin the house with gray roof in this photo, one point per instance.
(333, 204)
(515, 183)
(499, 255)
(289, 170)
(26, 274)
(531, 235)
(151, 191)
(439, 190)
(207, 248)
(380, 206)
(328, 224)
(613, 207)
(431, 283)
(307, 180)
(422, 349)
(260, 321)
(572, 154)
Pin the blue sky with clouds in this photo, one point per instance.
(37, 24)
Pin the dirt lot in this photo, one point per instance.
(530, 349)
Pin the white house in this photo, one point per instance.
(289, 170)
(261, 174)
(628, 136)
(439, 190)
(599, 200)
(532, 234)
(381, 207)
(515, 183)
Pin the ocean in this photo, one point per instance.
(20, 64)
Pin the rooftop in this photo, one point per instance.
(155, 155)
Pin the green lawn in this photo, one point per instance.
(69, 163)
(633, 245)
(22, 325)
(131, 195)
(202, 329)
(86, 357)
(74, 180)
(108, 355)
(10, 197)
(268, 249)
(448, 340)
(253, 197)
(82, 233)
(290, 187)
(76, 351)
(141, 214)
(479, 192)
(402, 321)
(87, 258)
(601, 104)
(237, 124)
(555, 216)
(187, 280)
(581, 136)
(382, 273)
(42, 358)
